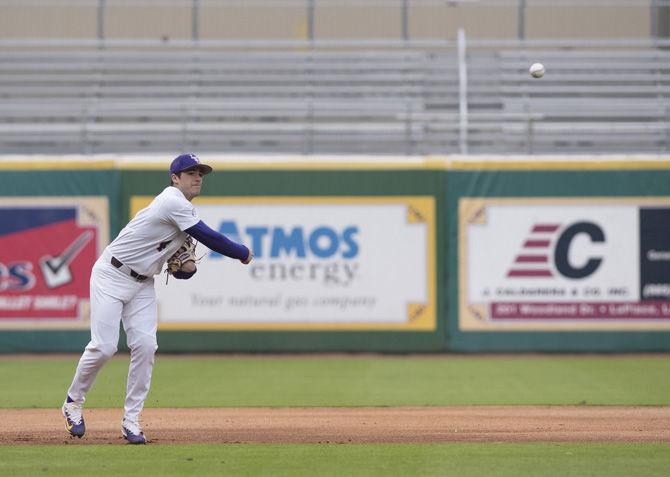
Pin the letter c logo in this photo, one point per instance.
(594, 232)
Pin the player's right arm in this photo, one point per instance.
(219, 242)
(182, 214)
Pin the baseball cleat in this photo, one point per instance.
(74, 421)
(132, 432)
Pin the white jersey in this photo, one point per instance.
(155, 233)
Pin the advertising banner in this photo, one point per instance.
(47, 249)
(564, 263)
(337, 263)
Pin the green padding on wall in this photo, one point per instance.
(121, 185)
(43, 341)
(65, 183)
(69, 184)
(446, 187)
(306, 341)
(580, 184)
(290, 183)
(308, 184)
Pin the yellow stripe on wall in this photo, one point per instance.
(55, 165)
(343, 163)
(309, 165)
(556, 165)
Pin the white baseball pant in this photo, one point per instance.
(115, 297)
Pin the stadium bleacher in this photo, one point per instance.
(373, 101)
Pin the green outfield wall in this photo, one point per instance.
(398, 255)
(592, 193)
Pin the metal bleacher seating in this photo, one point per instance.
(593, 101)
(381, 101)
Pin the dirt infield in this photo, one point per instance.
(351, 425)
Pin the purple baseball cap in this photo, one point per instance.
(188, 161)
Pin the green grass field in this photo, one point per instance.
(186, 381)
(292, 460)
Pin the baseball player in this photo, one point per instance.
(122, 289)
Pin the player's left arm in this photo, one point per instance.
(219, 242)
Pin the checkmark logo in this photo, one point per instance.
(56, 270)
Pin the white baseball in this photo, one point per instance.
(536, 70)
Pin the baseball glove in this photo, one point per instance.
(186, 253)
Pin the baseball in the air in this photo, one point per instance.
(536, 70)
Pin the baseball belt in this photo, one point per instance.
(117, 263)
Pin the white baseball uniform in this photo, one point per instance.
(122, 289)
